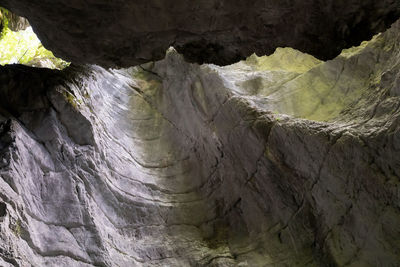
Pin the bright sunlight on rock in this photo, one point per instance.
(23, 46)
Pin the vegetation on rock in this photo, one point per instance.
(23, 47)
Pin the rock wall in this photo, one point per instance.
(16, 23)
(12, 21)
(124, 33)
(178, 164)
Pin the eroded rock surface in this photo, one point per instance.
(16, 23)
(176, 164)
(125, 33)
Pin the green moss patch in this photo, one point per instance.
(23, 47)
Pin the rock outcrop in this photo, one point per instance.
(15, 23)
(11, 21)
(261, 163)
(126, 33)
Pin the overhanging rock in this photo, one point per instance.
(125, 33)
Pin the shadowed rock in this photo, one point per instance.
(282, 160)
(16, 23)
(125, 33)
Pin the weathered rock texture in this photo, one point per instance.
(15, 23)
(126, 32)
(262, 163)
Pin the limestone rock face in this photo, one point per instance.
(16, 23)
(282, 160)
(125, 32)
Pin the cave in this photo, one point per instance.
(210, 133)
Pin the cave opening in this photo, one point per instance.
(20, 45)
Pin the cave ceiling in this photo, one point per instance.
(125, 32)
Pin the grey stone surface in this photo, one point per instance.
(178, 164)
(16, 23)
(125, 32)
